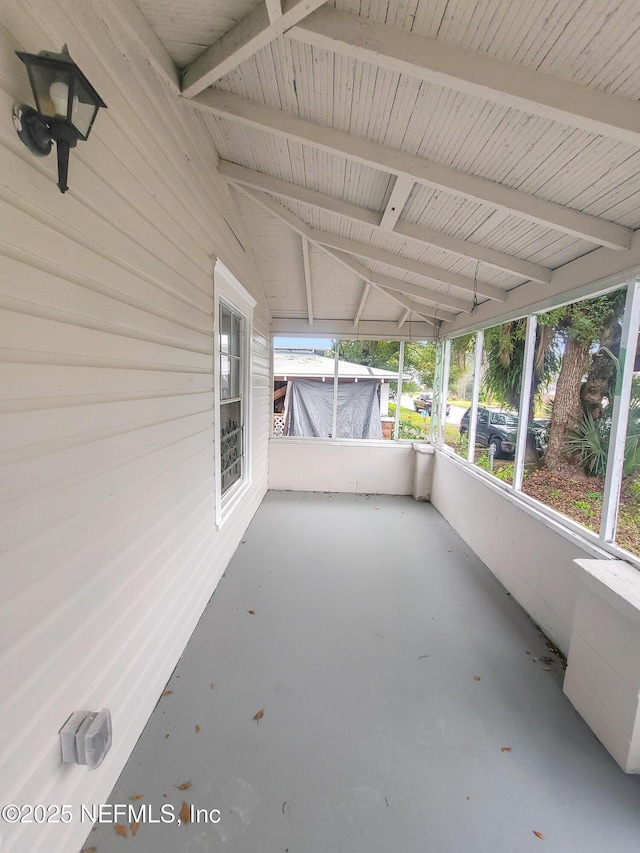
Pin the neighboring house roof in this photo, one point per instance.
(298, 365)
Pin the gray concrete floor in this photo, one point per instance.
(392, 670)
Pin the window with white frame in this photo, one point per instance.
(566, 383)
(233, 323)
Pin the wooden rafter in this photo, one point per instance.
(271, 206)
(474, 73)
(397, 200)
(420, 234)
(250, 35)
(429, 173)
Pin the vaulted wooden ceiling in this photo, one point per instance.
(435, 163)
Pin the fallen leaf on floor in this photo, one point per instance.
(469, 798)
(252, 612)
(185, 813)
(138, 796)
(257, 717)
(166, 692)
(197, 729)
(538, 834)
(89, 850)
(120, 829)
(547, 669)
(183, 787)
(134, 827)
(476, 678)
(212, 685)
(166, 736)
(506, 749)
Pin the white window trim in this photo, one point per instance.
(229, 291)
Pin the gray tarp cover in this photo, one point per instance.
(312, 409)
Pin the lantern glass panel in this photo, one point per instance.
(84, 109)
(51, 89)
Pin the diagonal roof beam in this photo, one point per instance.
(477, 252)
(249, 35)
(389, 284)
(307, 278)
(294, 222)
(473, 73)
(365, 295)
(393, 161)
(382, 256)
(405, 316)
(353, 247)
(397, 200)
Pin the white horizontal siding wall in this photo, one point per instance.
(109, 550)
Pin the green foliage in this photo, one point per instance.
(503, 471)
(419, 358)
(585, 505)
(589, 441)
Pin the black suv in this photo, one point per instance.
(423, 404)
(500, 430)
(497, 429)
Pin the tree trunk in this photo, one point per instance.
(567, 406)
(601, 378)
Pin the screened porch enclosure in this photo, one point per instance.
(360, 682)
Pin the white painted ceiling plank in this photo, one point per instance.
(483, 76)
(307, 278)
(379, 156)
(250, 35)
(397, 200)
(475, 251)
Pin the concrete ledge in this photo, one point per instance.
(603, 673)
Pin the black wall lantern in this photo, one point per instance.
(66, 107)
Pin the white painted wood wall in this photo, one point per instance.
(109, 550)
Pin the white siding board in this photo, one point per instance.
(110, 544)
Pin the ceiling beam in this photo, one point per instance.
(477, 74)
(433, 308)
(249, 35)
(397, 200)
(404, 318)
(386, 330)
(365, 295)
(585, 276)
(274, 9)
(307, 277)
(377, 279)
(477, 252)
(364, 250)
(155, 52)
(382, 256)
(429, 173)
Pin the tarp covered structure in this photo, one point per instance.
(312, 409)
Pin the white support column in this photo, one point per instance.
(336, 367)
(624, 374)
(473, 417)
(525, 397)
(396, 426)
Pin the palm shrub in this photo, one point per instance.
(589, 442)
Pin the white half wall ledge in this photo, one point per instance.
(602, 680)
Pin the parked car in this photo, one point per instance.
(499, 429)
(423, 404)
